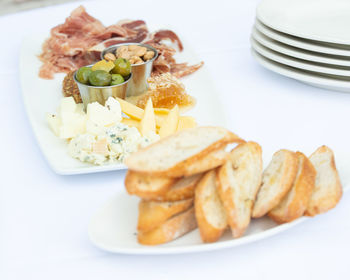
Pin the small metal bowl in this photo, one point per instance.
(140, 72)
(91, 94)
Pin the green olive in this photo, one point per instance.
(117, 79)
(100, 78)
(83, 74)
(122, 67)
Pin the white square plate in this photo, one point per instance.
(43, 96)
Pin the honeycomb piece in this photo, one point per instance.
(166, 91)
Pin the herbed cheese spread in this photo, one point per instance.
(113, 146)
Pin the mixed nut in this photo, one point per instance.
(134, 53)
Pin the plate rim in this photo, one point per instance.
(287, 50)
(297, 42)
(284, 29)
(203, 247)
(296, 62)
(188, 249)
(300, 75)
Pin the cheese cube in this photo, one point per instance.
(114, 107)
(100, 115)
(72, 124)
(67, 105)
(54, 123)
(80, 108)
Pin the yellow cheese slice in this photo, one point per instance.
(148, 122)
(161, 111)
(131, 122)
(130, 109)
(186, 122)
(135, 112)
(170, 123)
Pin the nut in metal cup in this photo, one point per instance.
(140, 72)
(91, 94)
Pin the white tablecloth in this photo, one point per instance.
(44, 216)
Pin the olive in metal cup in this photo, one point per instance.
(140, 72)
(91, 93)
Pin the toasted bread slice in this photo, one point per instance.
(210, 161)
(295, 202)
(172, 155)
(145, 185)
(173, 228)
(277, 180)
(182, 189)
(210, 212)
(153, 214)
(239, 181)
(328, 189)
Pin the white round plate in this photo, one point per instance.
(297, 63)
(321, 20)
(113, 228)
(300, 43)
(298, 53)
(303, 76)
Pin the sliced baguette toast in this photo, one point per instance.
(182, 189)
(210, 161)
(171, 155)
(210, 212)
(277, 180)
(145, 185)
(171, 229)
(239, 180)
(328, 189)
(295, 202)
(152, 214)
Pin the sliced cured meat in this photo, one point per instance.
(81, 38)
(181, 70)
(167, 35)
(65, 50)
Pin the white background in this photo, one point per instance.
(44, 216)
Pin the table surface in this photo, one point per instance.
(44, 216)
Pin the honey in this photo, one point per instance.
(166, 91)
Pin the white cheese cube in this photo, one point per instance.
(54, 123)
(72, 125)
(67, 105)
(100, 115)
(114, 107)
(67, 132)
(68, 117)
(80, 108)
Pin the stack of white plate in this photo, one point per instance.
(308, 40)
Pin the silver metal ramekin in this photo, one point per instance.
(91, 94)
(140, 72)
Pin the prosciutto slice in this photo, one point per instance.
(81, 38)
